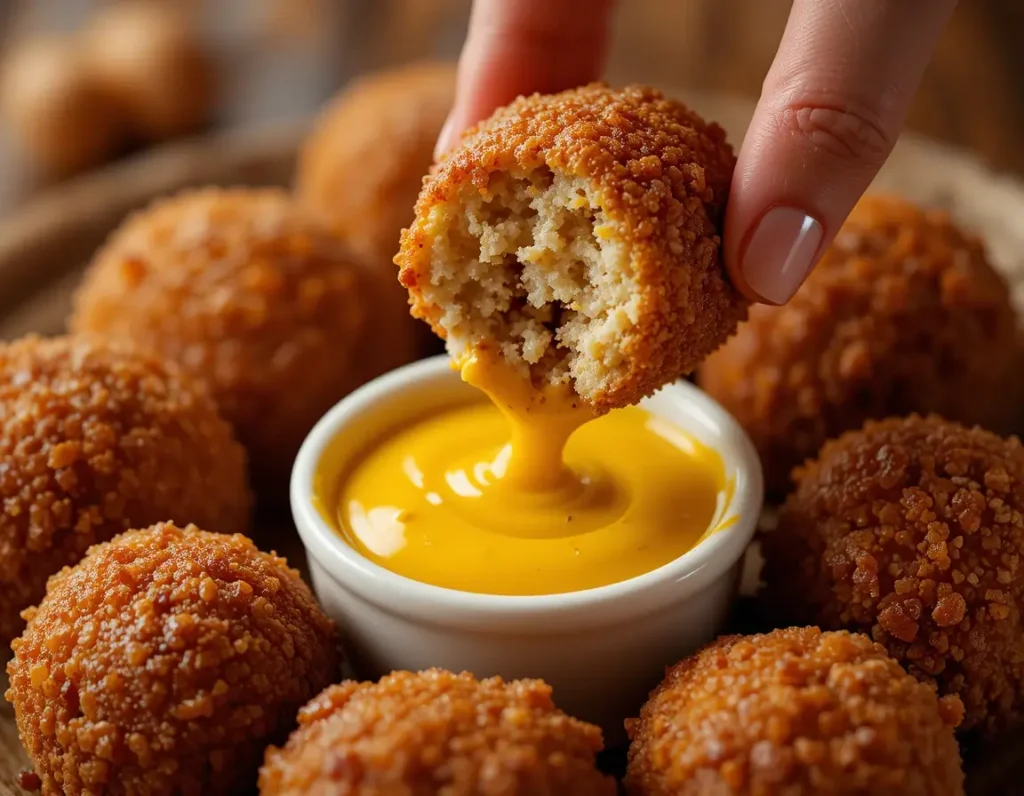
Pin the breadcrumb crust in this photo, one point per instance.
(903, 314)
(795, 712)
(362, 167)
(94, 440)
(164, 663)
(437, 732)
(245, 290)
(619, 279)
(912, 530)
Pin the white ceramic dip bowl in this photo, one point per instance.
(601, 649)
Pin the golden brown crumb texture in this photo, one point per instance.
(795, 712)
(911, 530)
(437, 732)
(94, 440)
(656, 173)
(246, 291)
(362, 167)
(164, 663)
(903, 314)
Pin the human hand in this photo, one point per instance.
(830, 111)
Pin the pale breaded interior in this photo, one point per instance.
(533, 265)
(578, 235)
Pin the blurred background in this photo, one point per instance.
(244, 63)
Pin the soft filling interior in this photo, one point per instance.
(534, 264)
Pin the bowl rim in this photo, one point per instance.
(677, 580)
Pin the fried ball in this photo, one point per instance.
(150, 61)
(434, 732)
(95, 440)
(912, 530)
(59, 114)
(578, 235)
(903, 314)
(243, 289)
(795, 712)
(164, 663)
(362, 167)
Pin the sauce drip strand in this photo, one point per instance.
(529, 493)
(540, 420)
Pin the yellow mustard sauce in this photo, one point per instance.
(539, 421)
(529, 494)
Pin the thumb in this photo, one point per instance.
(521, 46)
(829, 115)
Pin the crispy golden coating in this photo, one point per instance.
(436, 732)
(796, 712)
(94, 440)
(244, 290)
(363, 165)
(911, 530)
(903, 314)
(164, 663)
(578, 235)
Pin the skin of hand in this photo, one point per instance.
(830, 111)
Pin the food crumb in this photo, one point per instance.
(543, 180)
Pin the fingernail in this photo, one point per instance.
(442, 139)
(780, 253)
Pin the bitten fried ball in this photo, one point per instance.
(164, 663)
(796, 712)
(363, 165)
(437, 732)
(912, 530)
(95, 440)
(246, 291)
(578, 236)
(903, 314)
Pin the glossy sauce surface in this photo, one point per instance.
(529, 494)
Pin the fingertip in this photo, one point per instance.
(517, 47)
(781, 248)
(829, 115)
(732, 245)
(446, 138)
(770, 250)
